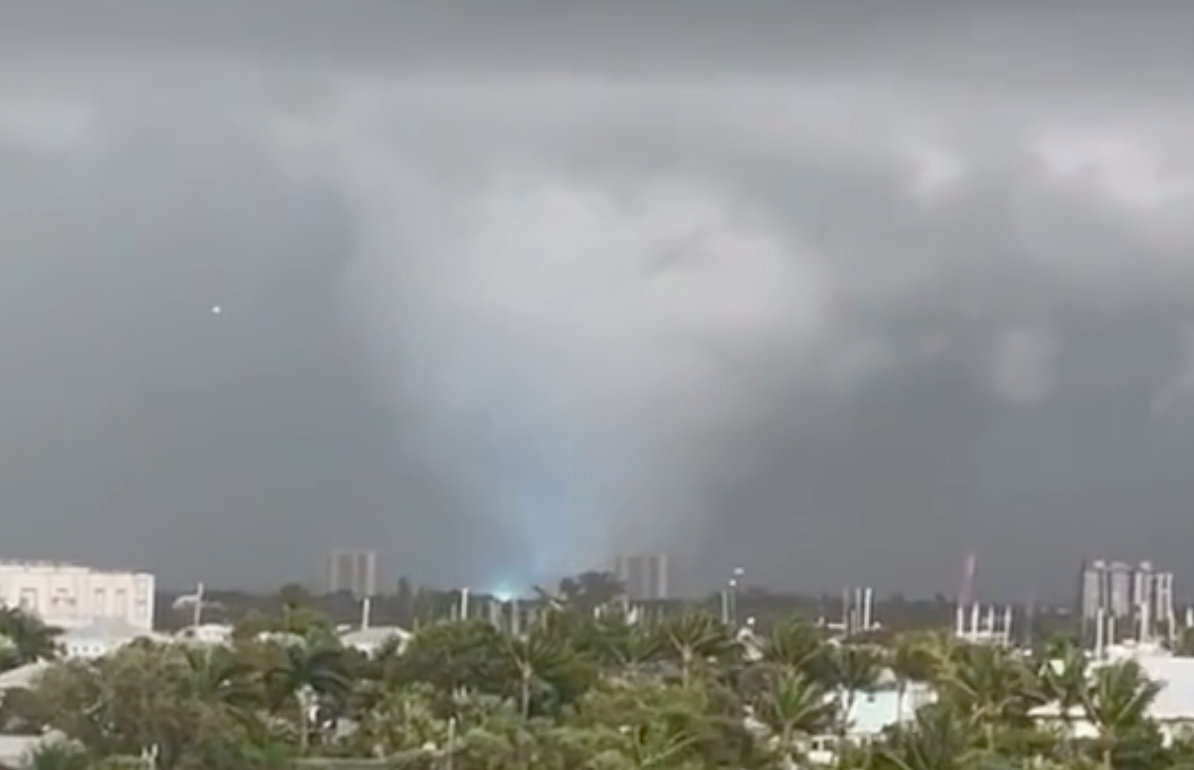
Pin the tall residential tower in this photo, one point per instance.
(1132, 602)
(645, 577)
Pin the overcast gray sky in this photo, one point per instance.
(832, 291)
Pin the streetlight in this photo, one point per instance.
(736, 576)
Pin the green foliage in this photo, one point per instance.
(451, 656)
(25, 639)
(58, 755)
(579, 688)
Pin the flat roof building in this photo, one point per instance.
(74, 596)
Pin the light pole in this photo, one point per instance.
(736, 576)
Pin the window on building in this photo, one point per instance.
(63, 598)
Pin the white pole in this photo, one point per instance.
(1146, 622)
(197, 610)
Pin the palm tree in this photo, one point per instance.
(694, 638)
(798, 644)
(991, 686)
(1117, 701)
(217, 676)
(910, 660)
(536, 657)
(856, 668)
(943, 649)
(938, 739)
(29, 639)
(658, 745)
(1064, 677)
(299, 672)
(586, 691)
(621, 645)
(794, 708)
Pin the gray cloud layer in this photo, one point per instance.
(836, 295)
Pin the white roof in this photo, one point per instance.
(22, 676)
(282, 637)
(105, 630)
(205, 631)
(1176, 699)
(14, 748)
(375, 635)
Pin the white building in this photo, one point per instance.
(207, 633)
(1119, 601)
(370, 640)
(1173, 709)
(72, 596)
(104, 636)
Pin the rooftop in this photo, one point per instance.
(1176, 699)
(22, 676)
(106, 629)
(49, 564)
(375, 635)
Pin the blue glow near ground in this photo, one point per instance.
(503, 593)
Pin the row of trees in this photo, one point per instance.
(579, 691)
(409, 604)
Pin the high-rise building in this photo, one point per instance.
(354, 571)
(1119, 586)
(1092, 591)
(1144, 583)
(1135, 602)
(645, 577)
(1163, 598)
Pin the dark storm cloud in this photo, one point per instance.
(836, 295)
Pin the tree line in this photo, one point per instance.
(409, 603)
(579, 689)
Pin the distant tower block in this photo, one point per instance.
(645, 577)
(353, 571)
(966, 590)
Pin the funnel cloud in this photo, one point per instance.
(835, 297)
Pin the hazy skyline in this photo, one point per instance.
(834, 293)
